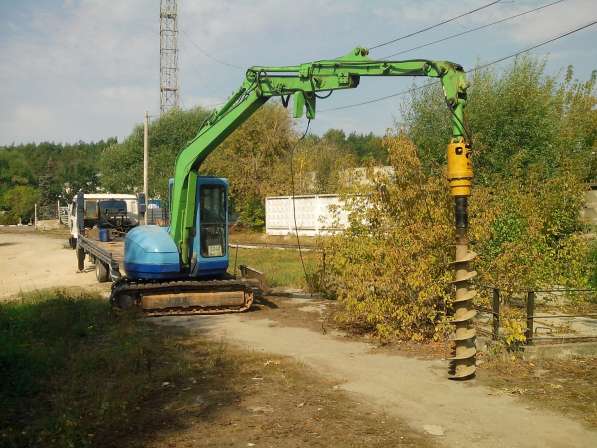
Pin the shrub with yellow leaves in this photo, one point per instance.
(389, 270)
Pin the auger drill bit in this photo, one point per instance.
(460, 174)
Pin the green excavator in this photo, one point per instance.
(183, 269)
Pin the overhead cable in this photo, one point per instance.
(208, 55)
(518, 53)
(452, 36)
(414, 33)
(479, 67)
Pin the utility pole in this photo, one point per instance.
(169, 87)
(146, 159)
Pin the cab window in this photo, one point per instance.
(212, 218)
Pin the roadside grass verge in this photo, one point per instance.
(282, 268)
(565, 385)
(75, 374)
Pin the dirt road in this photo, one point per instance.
(456, 413)
(415, 391)
(30, 261)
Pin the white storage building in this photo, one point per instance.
(317, 214)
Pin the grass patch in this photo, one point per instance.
(246, 236)
(282, 268)
(564, 385)
(74, 374)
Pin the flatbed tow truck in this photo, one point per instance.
(107, 256)
(116, 214)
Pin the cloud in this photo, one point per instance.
(79, 61)
(36, 116)
(88, 69)
(552, 21)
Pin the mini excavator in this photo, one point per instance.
(182, 269)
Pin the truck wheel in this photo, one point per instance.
(101, 272)
(80, 259)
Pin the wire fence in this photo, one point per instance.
(159, 216)
(558, 315)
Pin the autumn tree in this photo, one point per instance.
(389, 269)
(248, 158)
(534, 149)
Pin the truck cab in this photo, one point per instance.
(120, 210)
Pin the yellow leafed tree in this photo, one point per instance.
(389, 270)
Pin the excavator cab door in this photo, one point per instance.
(210, 246)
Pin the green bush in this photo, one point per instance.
(528, 233)
(593, 265)
(534, 138)
(252, 214)
(20, 202)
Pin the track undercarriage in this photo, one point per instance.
(184, 297)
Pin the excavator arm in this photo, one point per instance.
(303, 83)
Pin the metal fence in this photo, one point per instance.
(536, 314)
(158, 216)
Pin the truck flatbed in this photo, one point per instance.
(108, 257)
(185, 296)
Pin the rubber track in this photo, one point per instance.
(138, 288)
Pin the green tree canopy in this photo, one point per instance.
(121, 164)
(520, 119)
(20, 202)
(364, 147)
(56, 170)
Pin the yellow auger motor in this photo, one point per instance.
(460, 176)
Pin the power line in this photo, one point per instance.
(434, 26)
(497, 61)
(381, 98)
(480, 67)
(208, 55)
(452, 36)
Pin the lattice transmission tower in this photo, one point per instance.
(169, 87)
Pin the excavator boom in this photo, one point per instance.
(302, 83)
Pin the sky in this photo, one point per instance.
(73, 70)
